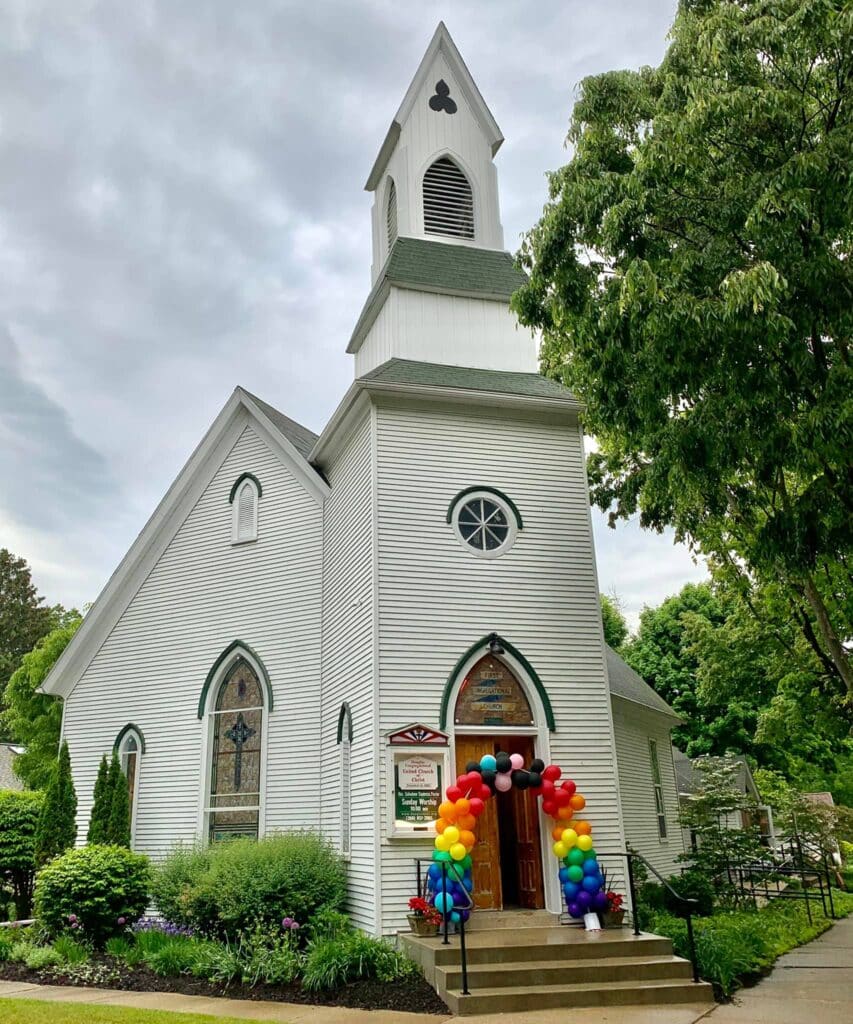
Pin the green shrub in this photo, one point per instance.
(175, 956)
(219, 962)
(336, 962)
(5, 945)
(71, 951)
(21, 950)
(19, 818)
(118, 946)
(98, 888)
(39, 958)
(270, 956)
(692, 885)
(235, 885)
(328, 924)
(57, 826)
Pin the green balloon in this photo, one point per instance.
(466, 861)
(575, 873)
(442, 855)
(575, 857)
(590, 854)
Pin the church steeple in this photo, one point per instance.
(434, 177)
(441, 278)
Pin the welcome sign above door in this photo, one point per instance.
(492, 696)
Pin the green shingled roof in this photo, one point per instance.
(302, 439)
(438, 375)
(424, 265)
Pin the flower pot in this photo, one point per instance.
(421, 925)
(613, 919)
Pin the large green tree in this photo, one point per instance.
(24, 618)
(34, 719)
(613, 621)
(692, 278)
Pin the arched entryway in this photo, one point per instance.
(494, 703)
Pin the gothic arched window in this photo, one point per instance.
(245, 498)
(234, 793)
(130, 747)
(448, 200)
(391, 214)
(345, 743)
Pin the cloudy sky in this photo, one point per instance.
(181, 210)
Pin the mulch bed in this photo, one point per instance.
(413, 995)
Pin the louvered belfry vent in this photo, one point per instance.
(246, 512)
(391, 214)
(448, 201)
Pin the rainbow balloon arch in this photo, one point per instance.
(450, 879)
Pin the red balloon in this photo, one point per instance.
(536, 790)
(475, 780)
(552, 772)
(453, 793)
(569, 787)
(561, 798)
(547, 787)
(549, 807)
(477, 806)
(485, 792)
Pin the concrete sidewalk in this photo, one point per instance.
(812, 983)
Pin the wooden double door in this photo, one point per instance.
(507, 856)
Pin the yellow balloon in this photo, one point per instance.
(458, 851)
(569, 838)
(560, 849)
(584, 843)
(451, 834)
(442, 843)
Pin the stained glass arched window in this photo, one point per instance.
(491, 695)
(235, 763)
(130, 748)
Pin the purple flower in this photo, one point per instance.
(73, 924)
(121, 922)
(294, 924)
(287, 922)
(72, 919)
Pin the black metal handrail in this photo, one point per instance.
(445, 914)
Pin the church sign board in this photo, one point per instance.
(417, 789)
(491, 695)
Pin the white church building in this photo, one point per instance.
(319, 632)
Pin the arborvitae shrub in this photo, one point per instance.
(57, 828)
(100, 805)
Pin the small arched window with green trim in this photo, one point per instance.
(345, 744)
(130, 747)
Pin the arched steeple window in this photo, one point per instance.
(345, 743)
(244, 497)
(391, 214)
(448, 200)
(130, 746)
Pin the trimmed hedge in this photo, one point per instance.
(94, 891)
(19, 817)
(233, 886)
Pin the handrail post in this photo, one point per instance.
(828, 884)
(444, 914)
(464, 953)
(632, 889)
(692, 944)
(420, 881)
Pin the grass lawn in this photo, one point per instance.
(37, 1011)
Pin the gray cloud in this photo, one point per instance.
(181, 210)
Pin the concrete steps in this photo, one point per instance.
(533, 965)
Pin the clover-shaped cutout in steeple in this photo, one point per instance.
(442, 100)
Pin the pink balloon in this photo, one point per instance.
(516, 760)
(503, 782)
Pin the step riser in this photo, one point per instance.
(509, 1001)
(563, 975)
(487, 921)
(450, 955)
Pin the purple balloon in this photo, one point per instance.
(584, 899)
(599, 901)
(575, 910)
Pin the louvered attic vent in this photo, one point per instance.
(448, 201)
(391, 215)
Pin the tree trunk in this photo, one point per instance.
(834, 647)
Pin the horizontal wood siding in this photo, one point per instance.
(203, 593)
(348, 661)
(634, 727)
(436, 599)
(453, 329)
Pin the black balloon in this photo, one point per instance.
(520, 778)
(503, 762)
(473, 766)
(534, 779)
(537, 765)
(489, 777)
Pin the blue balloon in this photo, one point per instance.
(455, 917)
(488, 763)
(590, 867)
(570, 890)
(468, 883)
(443, 902)
(434, 872)
(564, 875)
(592, 883)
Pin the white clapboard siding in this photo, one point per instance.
(452, 329)
(436, 599)
(348, 661)
(634, 727)
(203, 593)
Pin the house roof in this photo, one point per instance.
(468, 378)
(8, 778)
(629, 685)
(302, 439)
(685, 772)
(423, 264)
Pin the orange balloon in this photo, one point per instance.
(583, 828)
(447, 811)
(577, 802)
(467, 822)
(441, 825)
(557, 833)
(467, 839)
(565, 813)
(463, 805)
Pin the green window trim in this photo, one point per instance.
(236, 645)
(483, 645)
(239, 480)
(486, 490)
(130, 727)
(345, 716)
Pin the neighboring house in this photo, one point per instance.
(321, 631)
(8, 778)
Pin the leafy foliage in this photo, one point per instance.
(33, 719)
(19, 818)
(691, 275)
(613, 621)
(71, 951)
(100, 815)
(57, 827)
(336, 962)
(98, 888)
(232, 886)
(118, 804)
